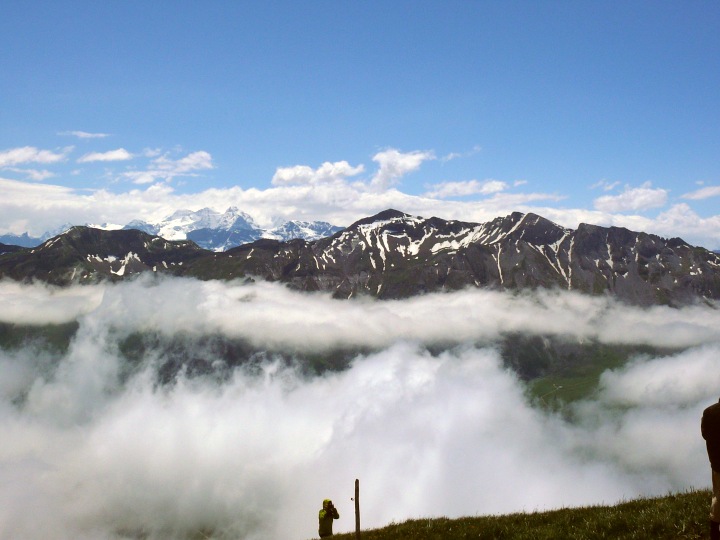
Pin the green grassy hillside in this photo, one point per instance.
(675, 517)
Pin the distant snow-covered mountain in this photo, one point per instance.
(25, 240)
(217, 231)
(208, 228)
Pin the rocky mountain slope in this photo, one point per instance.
(395, 255)
(87, 255)
(4, 248)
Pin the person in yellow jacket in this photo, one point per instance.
(326, 516)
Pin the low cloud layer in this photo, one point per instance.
(107, 455)
(273, 317)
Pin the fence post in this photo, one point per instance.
(357, 509)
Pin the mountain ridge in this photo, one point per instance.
(206, 227)
(395, 255)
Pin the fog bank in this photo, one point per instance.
(270, 315)
(92, 452)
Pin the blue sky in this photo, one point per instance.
(599, 112)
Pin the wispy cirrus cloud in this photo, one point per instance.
(703, 193)
(31, 154)
(605, 185)
(455, 155)
(84, 134)
(163, 168)
(445, 190)
(111, 155)
(33, 174)
(640, 198)
(195, 161)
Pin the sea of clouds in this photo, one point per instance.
(92, 451)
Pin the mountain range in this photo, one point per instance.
(394, 255)
(208, 228)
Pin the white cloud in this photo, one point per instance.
(703, 193)
(33, 174)
(38, 208)
(143, 177)
(450, 156)
(85, 134)
(332, 192)
(103, 449)
(16, 193)
(478, 315)
(195, 161)
(455, 155)
(45, 304)
(395, 164)
(641, 198)
(681, 220)
(326, 173)
(164, 168)
(605, 185)
(39, 176)
(30, 154)
(112, 155)
(446, 190)
(657, 384)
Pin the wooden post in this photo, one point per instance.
(357, 509)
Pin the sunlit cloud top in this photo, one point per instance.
(101, 446)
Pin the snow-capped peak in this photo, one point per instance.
(208, 228)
